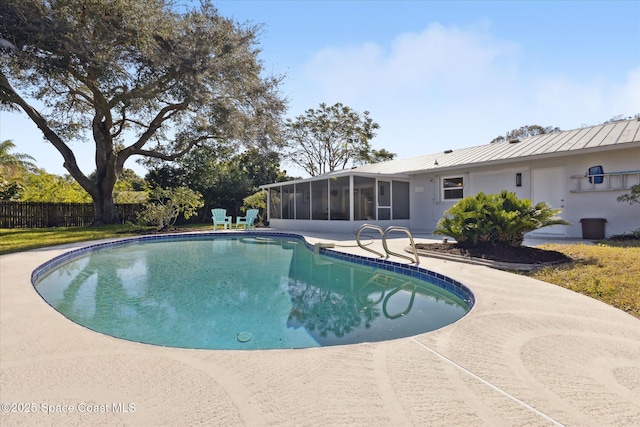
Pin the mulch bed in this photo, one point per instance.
(499, 253)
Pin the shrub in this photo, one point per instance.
(632, 197)
(10, 190)
(495, 219)
(258, 201)
(166, 204)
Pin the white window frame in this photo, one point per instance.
(443, 190)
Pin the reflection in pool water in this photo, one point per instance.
(252, 292)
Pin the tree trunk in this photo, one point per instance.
(104, 210)
(106, 171)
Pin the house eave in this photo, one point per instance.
(513, 160)
(338, 174)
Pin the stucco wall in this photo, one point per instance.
(621, 217)
(427, 207)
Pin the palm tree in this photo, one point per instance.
(12, 164)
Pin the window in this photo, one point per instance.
(384, 200)
(452, 188)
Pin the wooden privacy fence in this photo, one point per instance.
(39, 215)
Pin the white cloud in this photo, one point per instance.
(626, 97)
(561, 97)
(588, 103)
(450, 87)
(345, 71)
(434, 59)
(418, 85)
(444, 54)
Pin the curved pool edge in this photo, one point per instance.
(455, 290)
(46, 359)
(446, 283)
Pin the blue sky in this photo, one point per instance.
(434, 75)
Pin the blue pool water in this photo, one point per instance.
(248, 291)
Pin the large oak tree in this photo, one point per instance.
(134, 78)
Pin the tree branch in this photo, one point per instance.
(165, 114)
(176, 155)
(70, 162)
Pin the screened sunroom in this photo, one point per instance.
(339, 201)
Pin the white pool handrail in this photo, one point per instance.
(415, 258)
(413, 245)
(372, 227)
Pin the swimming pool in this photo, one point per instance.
(250, 290)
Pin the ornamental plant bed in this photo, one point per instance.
(498, 253)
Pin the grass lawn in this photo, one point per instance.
(609, 271)
(23, 239)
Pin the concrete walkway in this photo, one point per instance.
(529, 353)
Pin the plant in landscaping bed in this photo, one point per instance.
(495, 219)
(166, 204)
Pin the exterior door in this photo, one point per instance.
(384, 200)
(548, 185)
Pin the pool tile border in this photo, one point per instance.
(458, 289)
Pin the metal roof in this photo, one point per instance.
(609, 136)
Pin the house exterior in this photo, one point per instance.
(581, 171)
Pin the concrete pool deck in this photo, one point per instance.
(528, 353)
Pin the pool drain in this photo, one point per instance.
(244, 336)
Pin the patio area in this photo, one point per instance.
(528, 353)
